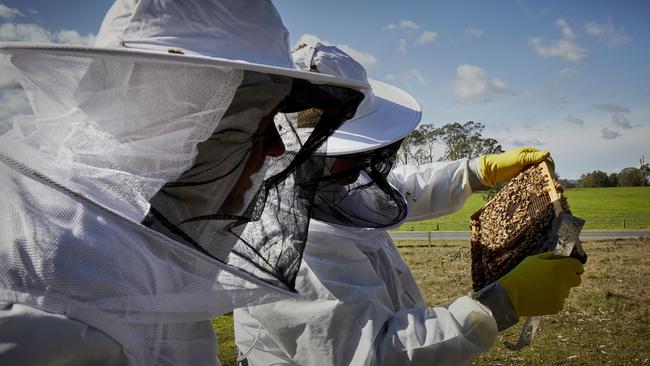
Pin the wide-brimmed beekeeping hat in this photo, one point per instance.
(245, 35)
(386, 114)
(165, 123)
(355, 191)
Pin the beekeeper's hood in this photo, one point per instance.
(355, 192)
(167, 123)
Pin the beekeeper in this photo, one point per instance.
(361, 304)
(124, 195)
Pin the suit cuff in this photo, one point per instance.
(495, 297)
(476, 179)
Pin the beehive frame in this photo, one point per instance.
(515, 223)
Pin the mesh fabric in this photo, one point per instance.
(355, 191)
(171, 146)
(271, 247)
(116, 130)
(115, 141)
(66, 255)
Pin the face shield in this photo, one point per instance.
(192, 152)
(354, 191)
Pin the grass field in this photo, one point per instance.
(601, 208)
(605, 321)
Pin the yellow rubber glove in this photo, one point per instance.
(540, 283)
(503, 167)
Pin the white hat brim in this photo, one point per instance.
(397, 114)
(162, 57)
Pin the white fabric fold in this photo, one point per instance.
(360, 304)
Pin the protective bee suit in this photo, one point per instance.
(360, 304)
(125, 194)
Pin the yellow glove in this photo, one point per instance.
(497, 168)
(540, 283)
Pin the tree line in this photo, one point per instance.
(456, 141)
(453, 141)
(627, 177)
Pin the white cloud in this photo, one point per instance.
(567, 71)
(402, 24)
(407, 77)
(366, 59)
(618, 113)
(575, 120)
(12, 98)
(611, 108)
(608, 134)
(7, 79)
(518, 142)
(24, 33)
(13, 102)
(620, 119)
(416, 75)
(473, 86)
(8, 13)
(402, 46)
(567, 32)
(426, 37)
(474, 32)
(72, 37)
(606, 32)
(34, 33)
(562, 48)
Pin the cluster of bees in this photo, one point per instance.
(513, 225)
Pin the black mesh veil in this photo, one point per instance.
(276, 195)
(355, 190)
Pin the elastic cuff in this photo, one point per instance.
(476, 180)
(495, 297)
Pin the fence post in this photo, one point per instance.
(429, 232)
(437, 227)
(623, 224)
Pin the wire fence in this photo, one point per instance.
(591, 223)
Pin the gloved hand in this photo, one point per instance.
(502, 167)
(540, 283)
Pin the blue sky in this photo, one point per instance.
(568, 76)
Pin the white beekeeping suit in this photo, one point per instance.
(126, 192)
(360, 304)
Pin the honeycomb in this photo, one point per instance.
(516, 223)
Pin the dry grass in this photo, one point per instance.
(605, 320)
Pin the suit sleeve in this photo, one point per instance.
(433, 189)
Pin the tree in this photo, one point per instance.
(594, 179)
(457, 140)
(644, 169)
(613, 179)
(630, 177)
(466, 141)
(567, 183)
(418, 146)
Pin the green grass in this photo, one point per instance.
(226, 348)
(611, 208)
(458, 221)
(606, 320)
(601, 208)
